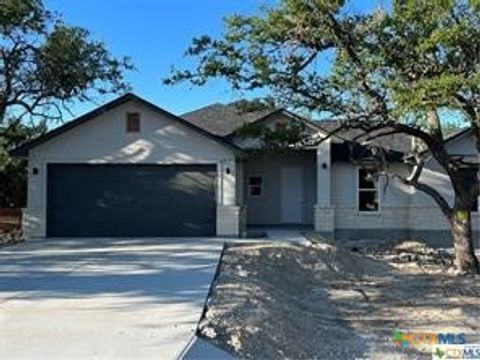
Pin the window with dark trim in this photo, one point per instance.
(281, 126)
(475, 205)
(367, 190)
(470, 178)
(133, 122)
(255, 185)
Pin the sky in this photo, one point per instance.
(155, 34)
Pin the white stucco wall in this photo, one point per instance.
(162, 140)
(401, 207)
(434, 175)
(424, 213)
(394, 199)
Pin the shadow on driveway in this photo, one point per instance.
(105, 297)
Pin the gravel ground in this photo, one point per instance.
(324, 301)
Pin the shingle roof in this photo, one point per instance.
(396, 142)
(224, 119)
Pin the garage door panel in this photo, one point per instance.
(131, 200)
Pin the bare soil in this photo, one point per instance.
(275, 300)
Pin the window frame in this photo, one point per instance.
(476, 169)
(477, 210)
(249, 194)
(359, 190)
(281, 126)
(128, 118)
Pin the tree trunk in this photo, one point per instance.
(465, 260)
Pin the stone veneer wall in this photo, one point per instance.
(391, 223)
(34, 223)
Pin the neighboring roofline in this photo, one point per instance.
(453, 137)
(200, 109)
(286, 112)
(457, 135)
(273, 111)
(22, 150)
(311, 123)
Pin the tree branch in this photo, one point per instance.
(413, 180)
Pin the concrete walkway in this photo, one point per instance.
(103, 298)
(286, 235)
(200, 349)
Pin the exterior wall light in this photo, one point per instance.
(35, 171)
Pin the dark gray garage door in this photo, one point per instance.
(130, 200)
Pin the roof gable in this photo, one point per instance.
(224, 119)
(23, 149)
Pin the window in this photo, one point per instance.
(475, 205)
(281, 126)
(254, 185)
(471, 174)
(133, 122)
(367, 190)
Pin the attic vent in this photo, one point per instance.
(133, 122)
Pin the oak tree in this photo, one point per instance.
(45, 65)
(383, 72)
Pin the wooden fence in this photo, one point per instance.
(10, 219)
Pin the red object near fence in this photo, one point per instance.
(10, 219)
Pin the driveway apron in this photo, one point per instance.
(103, 298)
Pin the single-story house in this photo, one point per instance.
(132, 169)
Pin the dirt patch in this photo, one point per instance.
(281, 300)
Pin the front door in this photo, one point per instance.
(291, 195)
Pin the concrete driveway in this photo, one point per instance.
(103, 298)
